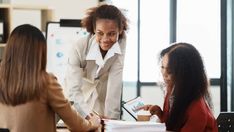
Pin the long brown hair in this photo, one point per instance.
(23, 66)
(189, 78)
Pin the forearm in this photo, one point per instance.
(112, 103)
(159, 113)
(62, 107)
(74, 83)
(113, 97)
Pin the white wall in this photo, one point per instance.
(63, 9)
(71, 9)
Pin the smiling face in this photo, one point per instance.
(107, 33)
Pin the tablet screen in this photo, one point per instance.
(131, 106)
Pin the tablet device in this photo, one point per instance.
(132, 105)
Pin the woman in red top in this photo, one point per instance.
(187, 102)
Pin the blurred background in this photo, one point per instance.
(154, 24)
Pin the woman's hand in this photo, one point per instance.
(95, 120)
(153, 109)
(144, 107)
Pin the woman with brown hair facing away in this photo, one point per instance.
(29, 96)
(187, 102)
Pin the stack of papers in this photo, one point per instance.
(131, 126)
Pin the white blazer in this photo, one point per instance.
(93, 86)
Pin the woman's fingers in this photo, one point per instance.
(154, 109)
(145, 107)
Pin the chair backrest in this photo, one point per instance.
(225, 122)
(4, 130)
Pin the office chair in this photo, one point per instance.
(4, 130)
(225, 122)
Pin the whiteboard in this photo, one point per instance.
(59, 39)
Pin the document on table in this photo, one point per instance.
(132, 126)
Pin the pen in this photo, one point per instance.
(96, 113)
